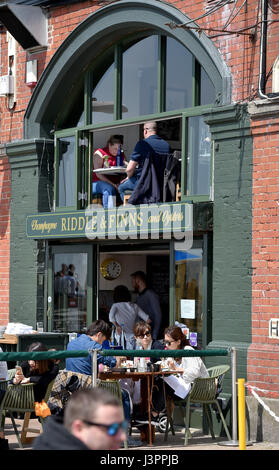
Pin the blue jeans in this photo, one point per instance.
(107, 190)
(130, 185)
(126, 405)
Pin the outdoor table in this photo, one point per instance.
(145, 391)
(112, 170)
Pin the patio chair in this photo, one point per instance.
(204, 391)
(113, 387)
(20, 399)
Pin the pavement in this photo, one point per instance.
(198, 442)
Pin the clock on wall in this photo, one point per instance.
(110, 269)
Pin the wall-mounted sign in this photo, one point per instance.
(274, 328)
(187, 308)
(167, 220)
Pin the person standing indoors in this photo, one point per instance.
(151, 143)
(102, 184)
(124, 313)
(148, 301)
(93, 420)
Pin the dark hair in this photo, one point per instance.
(141, 327)
(121, 294)
(84, 403)
(140, 274)
(175, 333)
(99, 326)
(115, 139)
(42, 365)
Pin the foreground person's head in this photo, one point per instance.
(95, 417)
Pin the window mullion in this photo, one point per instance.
(162, 48)
(117, 82)
(184, 156)
(88, 80)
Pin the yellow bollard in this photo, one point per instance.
(241, 415)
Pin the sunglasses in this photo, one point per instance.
(168, 343)
(145, 334)
(112, 429)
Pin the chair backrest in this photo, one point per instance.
(11, 373)
(19, 398)
(111, 386)
(203, 390)
(216, 371)
(206, 389)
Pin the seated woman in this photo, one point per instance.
(143, 337)
(123, 314)
(40, 372)
(102, 184)
(191, 368)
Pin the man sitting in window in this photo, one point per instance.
(151, 146)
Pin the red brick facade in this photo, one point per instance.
(241, 54)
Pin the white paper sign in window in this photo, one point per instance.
(187, 308)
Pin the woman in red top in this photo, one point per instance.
(102, 184)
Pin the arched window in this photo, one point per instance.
(152, 77)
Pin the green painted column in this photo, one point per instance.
(31, 164)
(232, 231)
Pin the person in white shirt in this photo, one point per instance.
(124, 314)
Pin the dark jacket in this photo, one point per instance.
(171, 176)
(42, 381)
(56, 437)
(149, 188)
(156, 345)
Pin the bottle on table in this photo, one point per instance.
(119, 157)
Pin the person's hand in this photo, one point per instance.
(26, 380)
(118, 330)
(171, 364)
(18, 379)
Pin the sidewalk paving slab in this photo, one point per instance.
(198, 442)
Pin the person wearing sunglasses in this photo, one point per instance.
(176, 387)
(143, 337)
(93, 420)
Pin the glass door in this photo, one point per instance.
(70, 281)
(192, 305)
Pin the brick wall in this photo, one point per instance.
(263, 358)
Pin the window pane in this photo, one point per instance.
(67, 172)
(198, 162)
(189, 291)
(139, 92)
(179, 72)
(103, 98)
(70, 292)
(208, 92)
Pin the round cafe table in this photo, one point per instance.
(146, 378)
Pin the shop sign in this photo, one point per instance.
(167, 220)
(274, 328)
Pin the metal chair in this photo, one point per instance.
(204, 391)
(20, 399)
(114, 388)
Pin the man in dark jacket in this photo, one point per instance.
(93, 420)
(151, 147)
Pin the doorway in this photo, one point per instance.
(153, 261)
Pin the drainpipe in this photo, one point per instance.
(263, 46)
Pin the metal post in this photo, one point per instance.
(234, 441)
(241, 414)
(94, 368)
